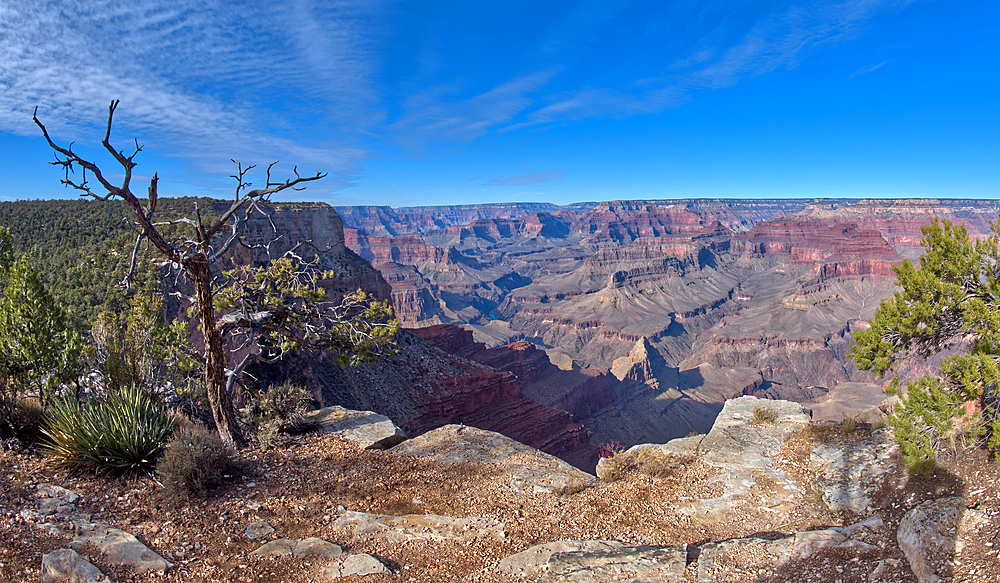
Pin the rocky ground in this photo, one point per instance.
(700, 517)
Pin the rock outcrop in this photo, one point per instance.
(530, 470)
(927, 535)
(366, 428)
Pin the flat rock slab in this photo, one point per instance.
(744, 449)
(360, 564)
(733, 560)
(534, 560)
(411, 527)
(532, 471)
(119, 547)
(258, 529)
(627, 563)
(67, 566)
(927, 536)
(300, 549)
(366, 428)
(851, 472)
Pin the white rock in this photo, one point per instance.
(366, 428)
(67, 566)
(120, 548)
(360, 564)
(532, 471)
(930, 530)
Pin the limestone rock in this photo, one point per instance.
(534, 560)
(627, 563)
(418, 527)
(67, 566)
(366, 428)
(744, 449)
(258, 529)
(532, 471)
(119, 547)
(360, 564)
(55, 500)
(927, 536)
(281, 547)
(717, 560)
(852, 471)
(309, 547)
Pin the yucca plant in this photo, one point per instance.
(124, 431)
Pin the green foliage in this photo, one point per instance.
(39, 352)
(195, 461)
(284, 304)
(950, 302)
(81, 251)
(136, 349)
(121, 431)
(280, 407)
(6, 249)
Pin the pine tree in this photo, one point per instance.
(950, 303)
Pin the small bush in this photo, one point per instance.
(195, 462)
(22, 421)
(764, 415)
(280, 407)
(650, 461)
(123, 431)
(849, 424)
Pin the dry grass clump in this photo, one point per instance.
(195, 462)
(650, 461)
(764, 415)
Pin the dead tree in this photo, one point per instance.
(270, 309)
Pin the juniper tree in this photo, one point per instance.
(263, 311)
(950, 303)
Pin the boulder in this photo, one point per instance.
(532, 471)
(360, 564)
(67, 566)
(119, 547)
(851, 472)
(401, 529)
(366, 428)
(927, 536)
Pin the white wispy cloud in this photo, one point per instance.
(196, 79)
(436, 115)
(868, 69)
(722, 58)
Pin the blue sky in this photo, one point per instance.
(411, 103)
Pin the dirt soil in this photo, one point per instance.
(300, 482)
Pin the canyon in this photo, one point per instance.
(641, 318)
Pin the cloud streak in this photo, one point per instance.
(196, 79)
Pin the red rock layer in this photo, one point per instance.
(579, 392)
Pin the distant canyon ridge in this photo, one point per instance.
(640, 318)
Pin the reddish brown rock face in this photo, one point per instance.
(769, 287)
